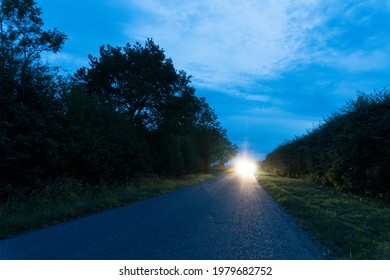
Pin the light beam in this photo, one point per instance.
(245, 167)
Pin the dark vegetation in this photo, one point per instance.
(349, 150)
(129, 114)
(69, 198)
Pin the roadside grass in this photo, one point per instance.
(70, 199)
(350, 226)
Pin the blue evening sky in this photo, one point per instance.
(270, 69)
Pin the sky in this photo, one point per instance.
(271, 70)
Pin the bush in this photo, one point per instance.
(350, 150)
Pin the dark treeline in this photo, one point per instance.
(349, 150)
(129, 113)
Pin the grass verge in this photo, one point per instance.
(71, 199)
(350, 226)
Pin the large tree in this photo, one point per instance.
(160, 101)
(22, 38)
(28, 104)
(139, 79)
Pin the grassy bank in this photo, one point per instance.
(352, 227)
(70, 199)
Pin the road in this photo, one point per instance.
(227, 217)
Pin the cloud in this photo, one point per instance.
(366, 61)
(292, 53)
(223, 42)
(69, 62)
(350, 34)
(256, 97)
(274, 117)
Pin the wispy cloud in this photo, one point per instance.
(69, 62)
(224, 42)
(350, 34)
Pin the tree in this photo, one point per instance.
(22, 39)
(161, 106)
(29, 110)
(140, 80)
(99, 143)
(213, 144)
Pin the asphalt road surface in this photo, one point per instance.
(227, 217)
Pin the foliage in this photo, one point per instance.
(22, 39)
(350, 150)
(98, 142)
(29, 109)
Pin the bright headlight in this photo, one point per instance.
(245, 167)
